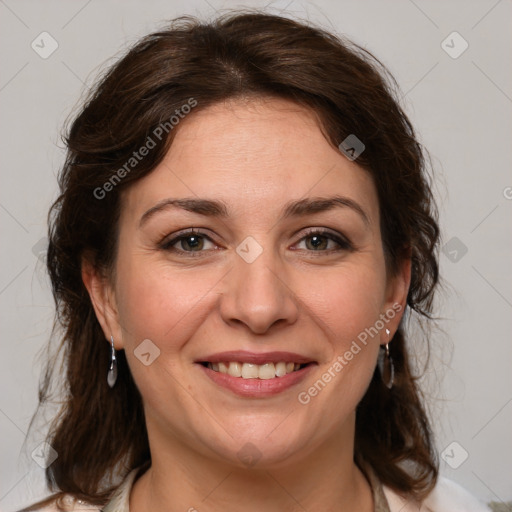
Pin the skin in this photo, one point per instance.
(254, 155)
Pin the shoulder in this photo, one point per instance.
(447, 496)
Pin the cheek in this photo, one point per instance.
(348, 301)
(166, 307)
(350, 304)
(157, 303)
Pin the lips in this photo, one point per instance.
(256, 374)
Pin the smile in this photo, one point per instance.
(256, 375)
(255, 371)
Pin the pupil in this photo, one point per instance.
(316, 241)
(193, 241)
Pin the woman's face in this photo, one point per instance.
(285, 267)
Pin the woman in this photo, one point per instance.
(244, 219)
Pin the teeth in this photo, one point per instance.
(235, 369)
(281, 369)
(267, 371)
(254, 371)
(250, 371)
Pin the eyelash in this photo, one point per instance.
(345, 244)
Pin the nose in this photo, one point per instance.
(258, 295)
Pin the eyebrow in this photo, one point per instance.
(298, 208)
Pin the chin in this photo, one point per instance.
(267, 445)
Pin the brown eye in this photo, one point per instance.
(325, 241)
(189, 242)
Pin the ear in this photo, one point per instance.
(102, 295)
(397, 289)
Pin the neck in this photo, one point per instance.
(324, 479)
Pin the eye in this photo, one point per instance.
(318, 240)
(189, 242)
(193, 242)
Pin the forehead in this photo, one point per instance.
(254, 155)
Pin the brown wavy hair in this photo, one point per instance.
(100, 433)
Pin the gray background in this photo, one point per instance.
(461, 108)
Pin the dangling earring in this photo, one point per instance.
(386, 367)
(112, 371)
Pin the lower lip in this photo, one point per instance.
(257, 388)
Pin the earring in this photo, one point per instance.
(386, 367)
(112, 371)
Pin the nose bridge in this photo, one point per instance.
(257, 294)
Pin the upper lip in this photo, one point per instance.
(243, 356)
